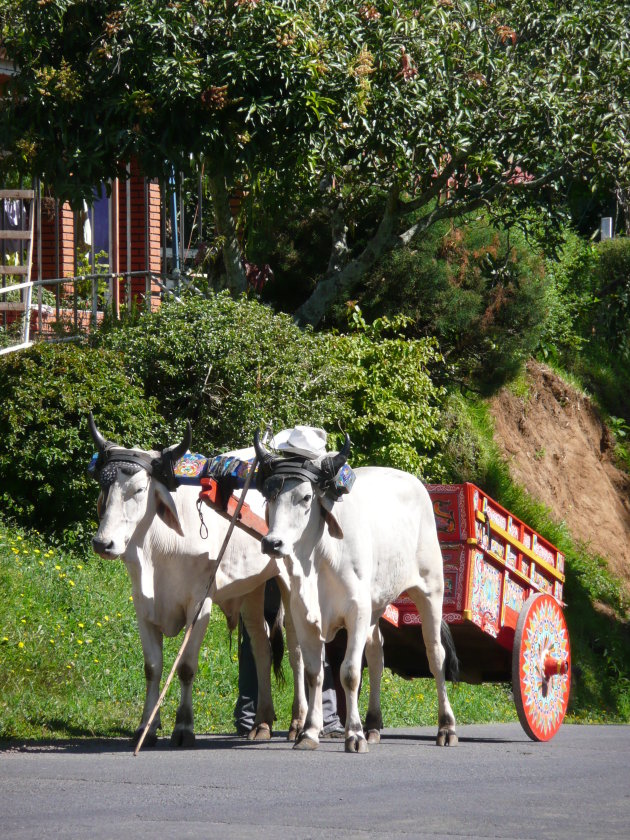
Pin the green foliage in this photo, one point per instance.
(479, 290)
(569, 298)
(611, 322)
(377, 91)
(231, 366)
(394, 418)
(45, 446)
(587, 331)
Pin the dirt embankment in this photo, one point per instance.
(560, 451)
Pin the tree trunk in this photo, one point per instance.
(342, 280)
(232, 253)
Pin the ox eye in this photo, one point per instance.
(139, 491)
(307, 498)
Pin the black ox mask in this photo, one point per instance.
(274, 470)
(112, 458)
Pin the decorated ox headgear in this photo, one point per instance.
(273, 470)
(112, 457)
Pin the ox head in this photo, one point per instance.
(135, 486)
(300, 493)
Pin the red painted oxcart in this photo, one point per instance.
(503, 603)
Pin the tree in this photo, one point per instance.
(434, 107)
(233, 84)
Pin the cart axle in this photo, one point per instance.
(555, 667)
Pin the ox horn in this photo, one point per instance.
(174, 453)
(341, 457)
(265, 457)
(101, 443)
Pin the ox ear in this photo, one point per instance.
(165, 507)
(334, 528)
(101, 504)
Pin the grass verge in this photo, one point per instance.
(71, 660)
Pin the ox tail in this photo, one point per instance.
(276, 638)
(451, 662)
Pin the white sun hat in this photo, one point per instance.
(307, 441)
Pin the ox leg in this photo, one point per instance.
(299, 707)
(313, 657)
(252, 611)
(350, 675)
(374, 657)
(430, 609)
(184, 732)
(151, 639)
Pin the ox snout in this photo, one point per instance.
(272, 546)
(104, 548)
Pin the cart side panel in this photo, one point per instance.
(452, 514)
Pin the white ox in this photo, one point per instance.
(157, 534)
(346, 562)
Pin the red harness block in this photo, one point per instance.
(247, 519)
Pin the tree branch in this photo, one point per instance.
(335, 283)
(232, 253)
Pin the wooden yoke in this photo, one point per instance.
(247, 519)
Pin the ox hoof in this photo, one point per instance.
(294, 731)
(305, 742)
(183, 738)
(373, 736)
(356, 744)
(446, 738)
(149, 741)
(260, 732)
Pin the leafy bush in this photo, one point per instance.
(570, 297)
(45, 445)
(612, 314)
(480, 291)
(230, 366)
(587, 331)
(395, 408)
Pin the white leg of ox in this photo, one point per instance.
(313, 656)
(430, 610)
(300, 703)
(252, 611)
(184, 732)
(374, 657)
(151, 638)
(350, 676)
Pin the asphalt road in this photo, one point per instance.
(495, 784)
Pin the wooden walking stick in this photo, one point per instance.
(189, 629)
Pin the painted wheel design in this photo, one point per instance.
(541, 667)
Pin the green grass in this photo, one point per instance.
(71, 660)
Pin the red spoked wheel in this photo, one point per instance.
(541, 667)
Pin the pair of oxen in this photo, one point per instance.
(338, 565)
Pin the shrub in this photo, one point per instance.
(479, 290)
(587, 329)
(230, 366)
(570, 297)
(45, 445)
(612, 314)
(394, 416)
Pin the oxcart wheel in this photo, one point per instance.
(541, 667)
